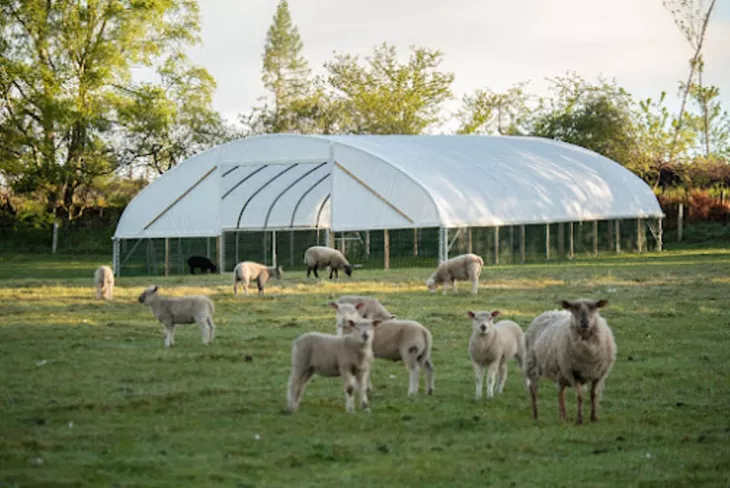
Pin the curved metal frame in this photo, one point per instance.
(289, 168)
(243, 180)
(271, 207)
(296, 207)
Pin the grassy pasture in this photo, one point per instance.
(89, 397)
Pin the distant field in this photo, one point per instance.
(89, 397)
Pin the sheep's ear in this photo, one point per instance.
(393, 317)
(334, 305)
(496, 313)
(601, 303)
(470, 314)
(376, 323)
(154, 290)
(351, 323)
(359, 305)
(566, 304)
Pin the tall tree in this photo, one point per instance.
(64, 68)
(384, 96)
(487, 112)
(285, 76)
(692, 18)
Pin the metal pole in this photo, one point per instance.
(367, 243)
(618, 236)
(115, 256)
(547, 242)
(470, 240)
(167, 256)
(207, 247)
(496, 245)
(639, 240)
(660, 235)
(415, 242)
(571, 242)
(443, 245)
(386, 249)
(273, 248)
(220, 244)
(522, 244)
(595, 238)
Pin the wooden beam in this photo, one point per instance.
(184, 194)
(377, 195)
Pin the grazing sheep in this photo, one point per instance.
(371, 308)
(492, 346)
(104, 281)
(202, 263)
(349, 356)
(572, 347)
(171, 311)
(248, 270)
(320, 256)
(464, 267)
(397, 340)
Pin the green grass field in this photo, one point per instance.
(89, 397)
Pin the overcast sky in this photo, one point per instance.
(487, 43)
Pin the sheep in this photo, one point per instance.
(320, 256)
(349, 356)
(202, 263)
(492, 346)
(104, 281)
(464, 267)
(397, 340)
(572, 347)
(248, 270)
(171, 311)
(371, 308)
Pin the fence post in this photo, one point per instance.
(220, 245)
(415, 242)
(470, 240)
(680, 222)
(595, 238)
(522, 244)
(367, 243)
(660, 234)
(618, 236)
(443, 244)
(54, 242)
(547, 242)
(273, 248)
(115, 256)
(571, 242)
(167, 256)
(386, 249)
(496, 245)
(207, 247)
(639, 232)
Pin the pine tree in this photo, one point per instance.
(285, 71)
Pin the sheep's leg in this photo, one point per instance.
(479, 373)
(502, 376)
(111, 293)
(363, 379)
(296, 388)
(245, 287)
(561, 402)
(260, 286)
(309, 271)
(211, 328)
(474, 286)
(235, 288)
(579, 398)
(315, 271)
(413, 379)
(203, 324)
(350, 384)
(169, 333)
(533, 395)
(429, 376)
(491, 378)
(332, 270)
(98, 293)
(453, 286)
(594, 401)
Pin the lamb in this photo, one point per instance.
(320, 256)
(397, 340)
(248, 270)
(349, 356)
(104, 281)
(572, 347)
(492, 346)
(371, 308)
(202, 263)
(171, 311)
(464, 267)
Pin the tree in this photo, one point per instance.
(714, 122)
(692, 20)
(594, 116)
(64, 70)
(285, 76)
(167, 122)
(384, 96)
(487, 112)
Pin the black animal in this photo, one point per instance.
(202, 263)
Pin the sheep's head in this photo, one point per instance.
(482, 322)
(584, 314)
(431, 284)
(147, 293)
(348, 269)
(277, 272)
(345, 311)
(360, 328)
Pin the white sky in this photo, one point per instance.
(487, 43)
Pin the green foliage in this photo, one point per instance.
(65, 82)
(487, 112)
(91, 398)
(385, 96)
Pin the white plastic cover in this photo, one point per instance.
(385, 182)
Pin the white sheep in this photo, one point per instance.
(397, 340)
(464, 267)
(171, 311)
(320, 257)
(248, 271)
(572, 347)
(492, 346)
(104, 282)
(371, 308)
(349, 356)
